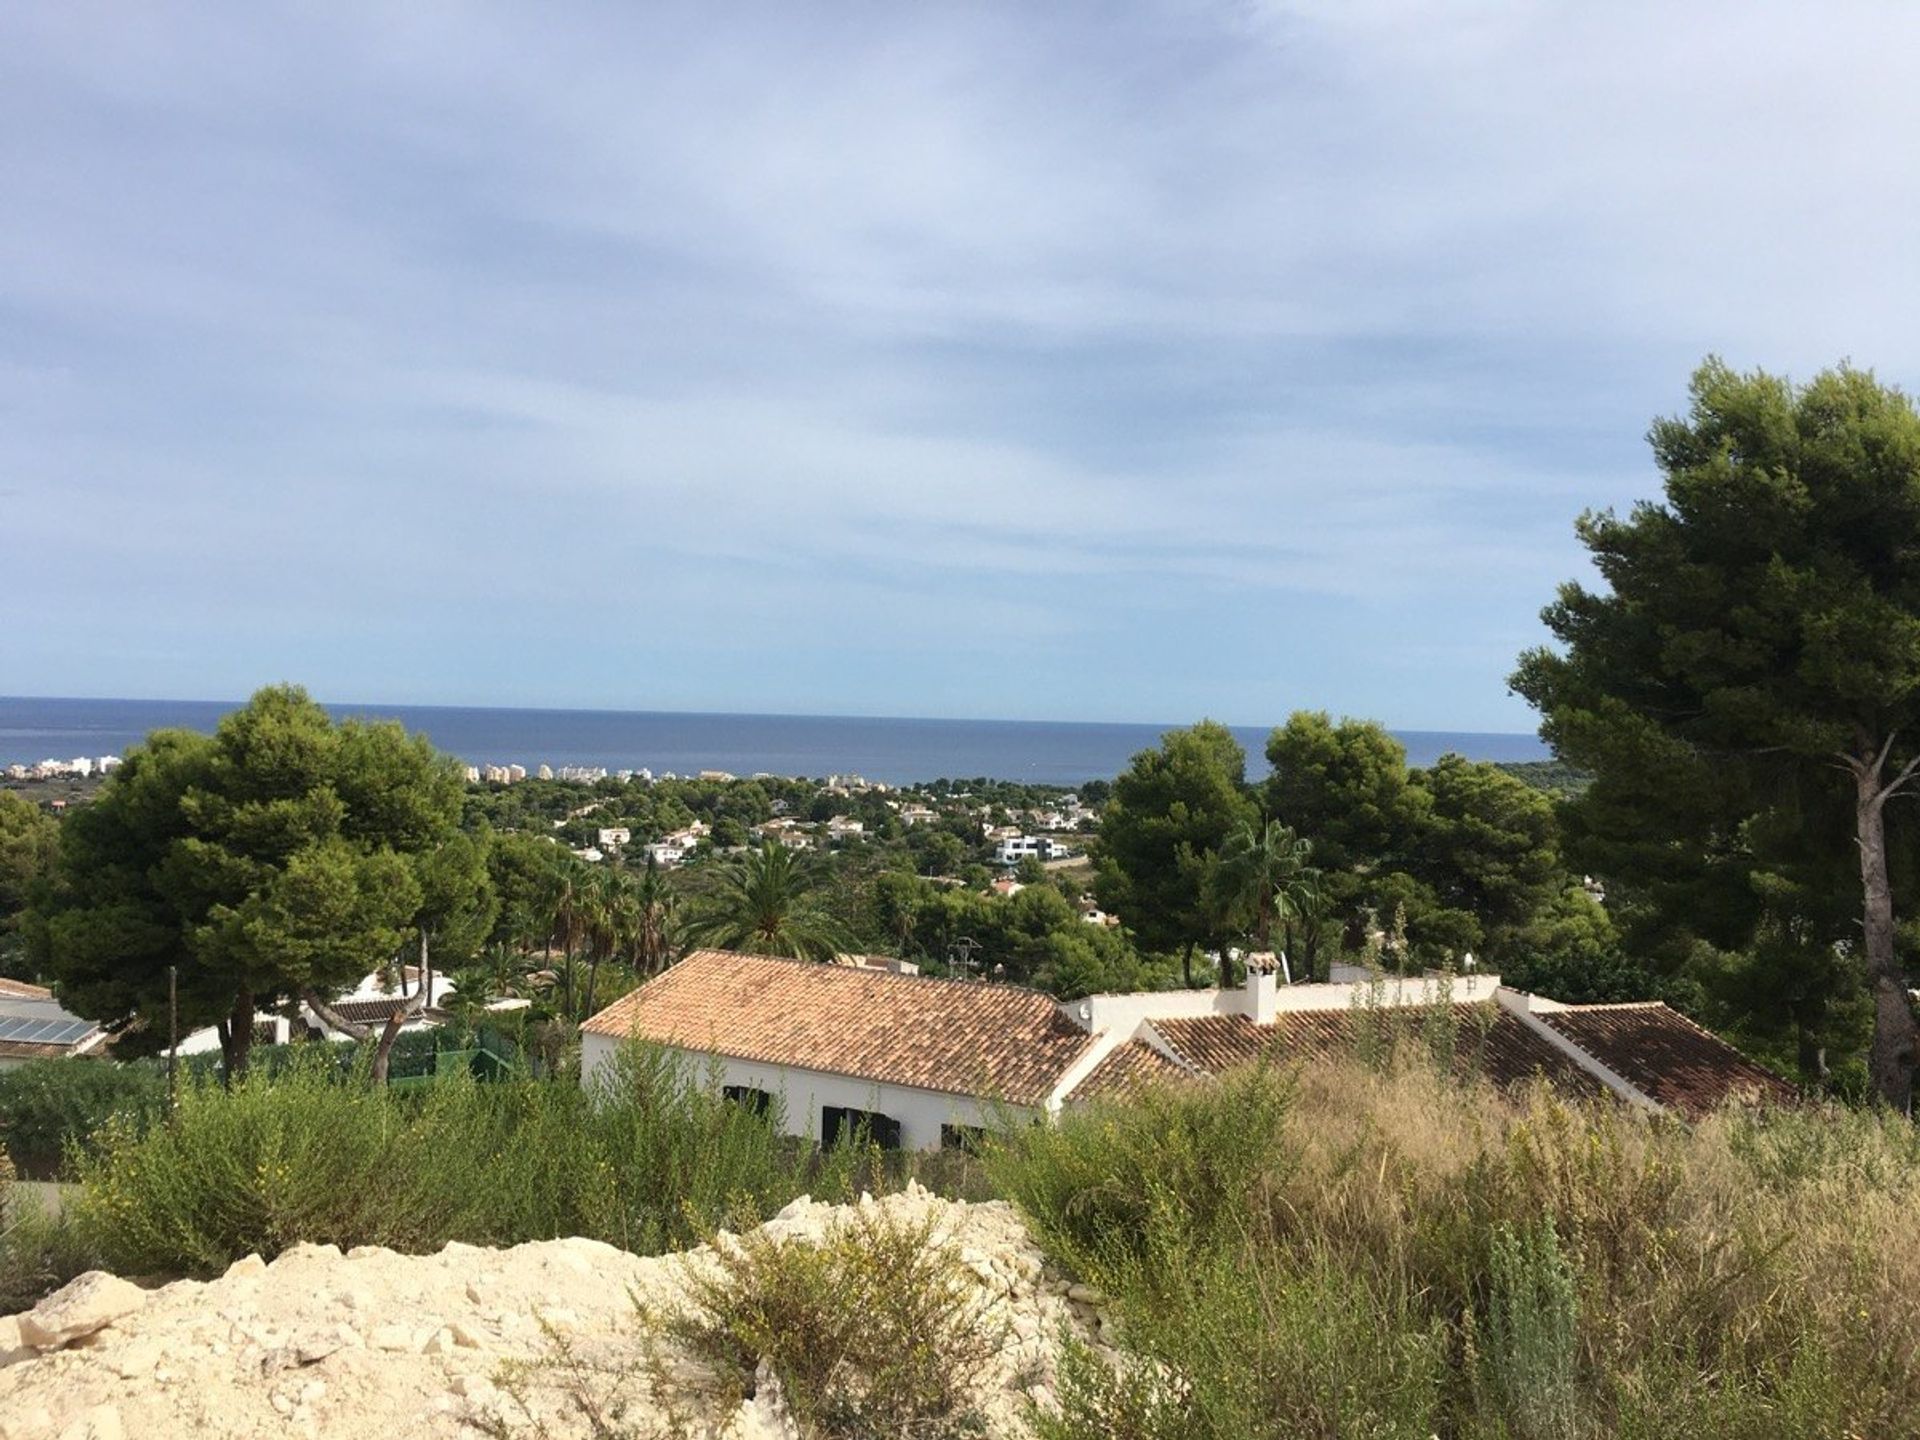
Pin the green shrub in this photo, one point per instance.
(1112, 1179)
(1225, 1343)
(38, 1253)
(48, 1105)
(648, 1161)
(873, 1332)
(1529, 1341)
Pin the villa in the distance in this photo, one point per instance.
(922, 1062)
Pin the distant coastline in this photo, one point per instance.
(893, 750)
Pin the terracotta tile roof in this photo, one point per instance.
(1125, 1069)
(21, 990)
(953, 1036)
(1667, 1056)
(1487, 1041)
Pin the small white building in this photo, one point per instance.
(613, 837)
(1015, 848)
(667, 853)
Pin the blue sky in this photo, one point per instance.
(1039, 361)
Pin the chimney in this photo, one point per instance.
(1260, 1000)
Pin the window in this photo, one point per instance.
(759, 1102)
(840, 1124)
(963, 1137)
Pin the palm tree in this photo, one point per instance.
(606, 922)
(572, 907)
(767, 904)
(658, 934)
(1263, 877)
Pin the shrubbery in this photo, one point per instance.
(48, 1105)
(1369, 1252)
(308, 1154)
(872, 1332)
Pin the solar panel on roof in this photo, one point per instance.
(60, 1029)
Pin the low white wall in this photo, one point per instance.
(1101, 1013)
(1125, 1012)
(803, 1094)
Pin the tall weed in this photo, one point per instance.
(1559, 1269)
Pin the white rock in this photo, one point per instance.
(391, 1337)
(102, 1422)
(137, 1359)
(81, 1307)
(26, 1423)
(13, 1349)
(246, 1265)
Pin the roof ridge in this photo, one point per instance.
(827, 965)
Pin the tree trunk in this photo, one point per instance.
(389, 1032)
(1894, 1032)
(1226, 967)
(1186, 964)
(383, 1052)
(593, 980)
(236, 1036)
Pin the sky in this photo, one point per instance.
(1063, 361)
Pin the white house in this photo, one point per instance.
(924, 1062)
(612, 837)
(1015, 848)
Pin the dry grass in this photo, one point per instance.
(1573, 1269)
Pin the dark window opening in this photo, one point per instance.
(841, 1124)
(747, 1097)
(969, 1138)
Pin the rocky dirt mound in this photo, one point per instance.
(375, 1343)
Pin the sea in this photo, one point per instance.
(896, 751)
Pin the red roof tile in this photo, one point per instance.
(954, 1036)
(1486, 1040)
(1125, 1069)
(1667, 1056)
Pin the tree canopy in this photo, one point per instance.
(282, 854)
(1756, 646)
(1169, 814)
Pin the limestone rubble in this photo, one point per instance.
(321, 1344)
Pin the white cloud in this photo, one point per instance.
(880, 327)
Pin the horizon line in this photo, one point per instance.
(373, 705)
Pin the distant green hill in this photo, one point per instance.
(1556, 777)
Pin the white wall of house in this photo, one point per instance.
(803, 1094)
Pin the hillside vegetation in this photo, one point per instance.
(1357, 1251)
(1364, 1248)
